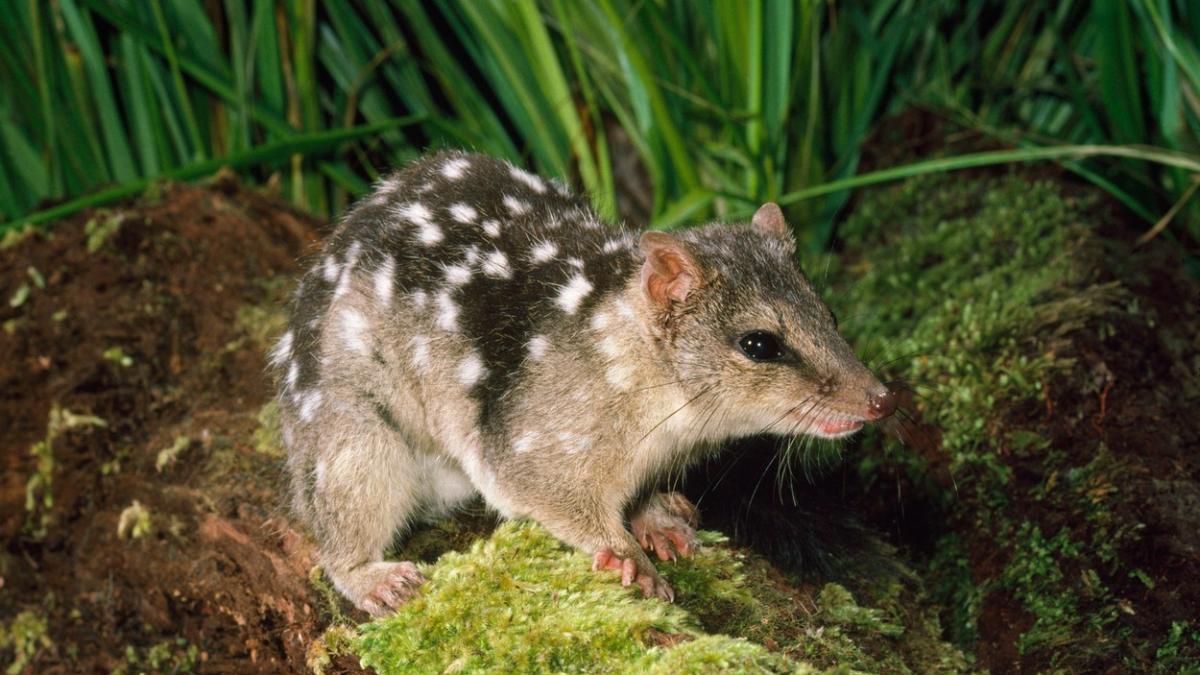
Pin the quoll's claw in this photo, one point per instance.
(666, 526)
(398, 583)
(651, 583)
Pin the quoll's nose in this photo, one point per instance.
(881, 404)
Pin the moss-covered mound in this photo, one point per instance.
(520, 601)
(1051, 389)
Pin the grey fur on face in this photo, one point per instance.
(471, 328)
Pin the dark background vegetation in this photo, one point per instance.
(1033, 281)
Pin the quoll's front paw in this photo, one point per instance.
(666, 526)
(651, 583)
(390, 584)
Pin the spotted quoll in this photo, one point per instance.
(473, 329)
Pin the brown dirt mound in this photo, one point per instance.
(151, 333)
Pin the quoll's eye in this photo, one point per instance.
(759, 345)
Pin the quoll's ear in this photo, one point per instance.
(768, 219)
(670, 273)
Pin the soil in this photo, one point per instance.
(221, 568)
(174, 287)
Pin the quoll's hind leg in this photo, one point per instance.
(366, 486)
(666, 525)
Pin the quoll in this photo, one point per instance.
(473, 329)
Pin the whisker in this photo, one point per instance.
(675, 412)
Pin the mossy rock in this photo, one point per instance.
(520, 601)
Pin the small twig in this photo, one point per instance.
(1162, 222)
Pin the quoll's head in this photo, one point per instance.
(753, 345)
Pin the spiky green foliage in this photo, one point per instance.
(726, 104)
(1076, 72)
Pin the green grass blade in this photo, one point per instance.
(267, 154)
(1118, 82)
(1057, 153)
(116, 143)
(139, 105)
(184, 102)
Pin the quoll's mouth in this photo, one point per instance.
(826, 423)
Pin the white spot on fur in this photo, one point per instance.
(293, 375)
(309, 405)
(391, 185)
(543, 251)
(472, 254)
(625, 309)
(471, 370)
(330, 269)
(609, 347)
(495, 265)
(526, 442)
(515, 206)
(491, 228)
(420, 350)
(283, 349)
(536, 184)
(455, 168)
(344, 280)
(415, 213)
(320, 473)
(559, 186)
(447, 312)
(620, 375)
(353, 327)
(573, 293)
(463, 213)
(457, 275)
(352, 253)
(575, 262)
(614, 245)
(385, 278)
(599, 321)
(573, 443)
(380, 197)
(428, 233)
(419, 300)
(537, 347)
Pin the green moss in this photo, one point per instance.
(21, 639)
(134, 522)
(39, 494)
(715, 654)
(521, 601)
(267, 440)
(168, 456)
(169, 656)
(101, 227)
(1177, 652)
(839, 607)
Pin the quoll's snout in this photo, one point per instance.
(881, 404)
